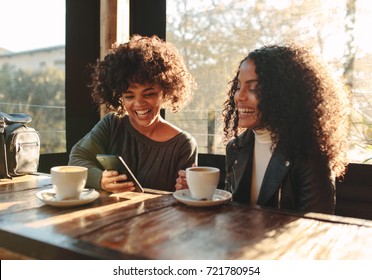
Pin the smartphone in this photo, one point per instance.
(114, 162)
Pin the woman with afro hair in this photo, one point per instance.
(286, 120)
(135, 81)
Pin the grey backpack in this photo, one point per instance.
(20, 146)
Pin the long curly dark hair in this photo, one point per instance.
(139, 61)
(304, 108)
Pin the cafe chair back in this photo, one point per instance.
(354, 192)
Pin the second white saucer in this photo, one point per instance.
(219, 197)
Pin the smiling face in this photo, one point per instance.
(245, 98)
(143, 104)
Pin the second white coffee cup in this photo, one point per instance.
(202, 181)
(68, 181)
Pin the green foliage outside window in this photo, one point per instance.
(40, 93)
(214, 35)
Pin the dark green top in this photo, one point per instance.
(155, 164)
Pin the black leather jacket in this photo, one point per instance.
(291, 184)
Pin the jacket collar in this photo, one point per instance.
(244, 139)
(277, 168)
(239, 157)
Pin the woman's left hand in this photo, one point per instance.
(114, 182)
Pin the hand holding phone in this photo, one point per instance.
(114, 162)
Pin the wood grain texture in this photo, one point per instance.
(154, 225)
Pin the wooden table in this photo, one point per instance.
(154, 225)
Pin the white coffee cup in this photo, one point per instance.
(202, 181)
(68, 181)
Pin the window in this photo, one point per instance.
(214, 35)
(32, 66)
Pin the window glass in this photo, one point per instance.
(214, 35)
(32, 66)
(122, 34)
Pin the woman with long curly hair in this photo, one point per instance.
(134, 81)
(286, 120)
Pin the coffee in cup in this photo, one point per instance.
(202, 181)
(68, 181)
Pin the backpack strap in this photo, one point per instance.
(2, 124)
(3, 158)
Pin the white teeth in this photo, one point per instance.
(245, 111)
(142, 112)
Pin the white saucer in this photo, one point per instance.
(219, 197)
(48, 197)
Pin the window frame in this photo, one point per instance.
(147, 17)
(82, 47)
